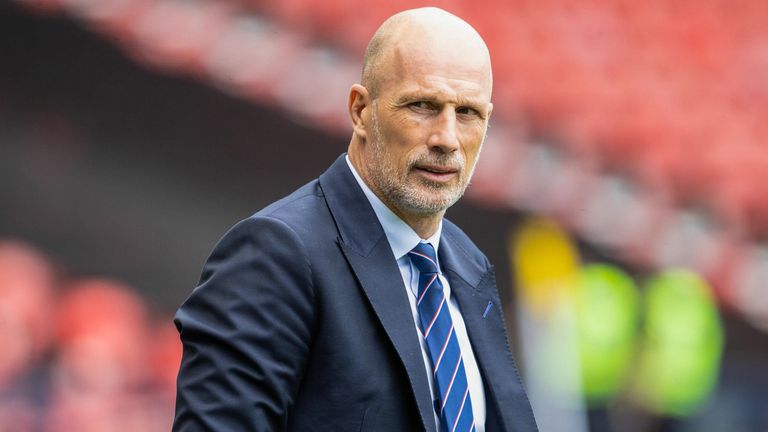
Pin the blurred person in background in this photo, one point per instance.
(351, 304)
(100, 375)
(27, 284)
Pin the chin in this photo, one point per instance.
(429, 204)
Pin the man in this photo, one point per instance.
(351, 305)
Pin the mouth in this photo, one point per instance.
(436, 173)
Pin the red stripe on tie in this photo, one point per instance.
(418, 302)
(442, 351)
(450, 386)
(458, 416)
(425, 257)
(434, 318)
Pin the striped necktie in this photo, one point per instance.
(455, 405)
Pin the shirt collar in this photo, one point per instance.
(402, 238)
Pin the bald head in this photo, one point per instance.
(419, 34)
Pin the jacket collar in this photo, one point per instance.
(356, 222)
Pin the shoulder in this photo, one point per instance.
(304, 212)
(303, 203)
(297, 221)
(272, 244)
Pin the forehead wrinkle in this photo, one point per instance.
(442, 87)
(431, 63)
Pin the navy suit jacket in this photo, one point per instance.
(301, 323)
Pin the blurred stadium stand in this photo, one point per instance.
(134, 132)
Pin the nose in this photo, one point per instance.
(444, 134)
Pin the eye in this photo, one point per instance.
(468, 111)
(421, 105)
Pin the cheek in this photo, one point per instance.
(473, 140)
(403, 138)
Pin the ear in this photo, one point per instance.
(359, 101)
(488, 118)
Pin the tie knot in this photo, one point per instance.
(423, 257)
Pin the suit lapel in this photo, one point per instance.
(474, 287)
(365, 246)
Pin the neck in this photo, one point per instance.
(424, 225)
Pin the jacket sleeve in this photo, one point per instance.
(246, 332)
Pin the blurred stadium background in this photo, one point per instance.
(621, 193)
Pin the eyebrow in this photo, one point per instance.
(435, 98)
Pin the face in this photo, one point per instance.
(426, 128)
